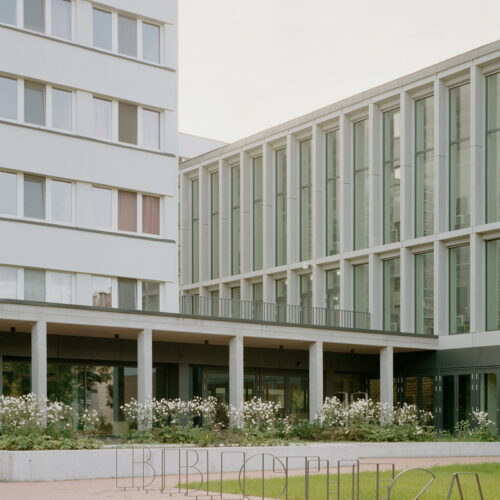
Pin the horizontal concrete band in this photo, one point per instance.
(62, 465)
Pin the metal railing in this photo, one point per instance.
(272, 313)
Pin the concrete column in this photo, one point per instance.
(292, 199)
(224, 218)
(407, 172)
(204, 222)
(318, 192)
(375, 203)
(39, 359)
(246, 232)
(346, 185)
(184, 381)
(386, 379)
(145, 366)
(236, 371)
(268, 189)
(315, 379)
(441, 223)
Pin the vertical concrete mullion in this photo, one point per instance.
(318, 192)
(269, 233)
(441, 192)
(246, 232)
(407, 172)
(375, 173)
(204, 224)
(346, 185)
(224, 229)
(292, 193)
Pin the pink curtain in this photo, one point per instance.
(127, 211)
(150, 214)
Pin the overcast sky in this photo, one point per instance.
(246, 65)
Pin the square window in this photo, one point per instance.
(8, 13)
(102, 24)
(62, 112)
(150, 129)
(34, 197)
(8, 193)
(34, 15)
(61, 18)
(151, 42)
(127, 123)
(127, 36)
(34, 103)
(61, 205)
(34, 285)
(127, 211)
(103, 119)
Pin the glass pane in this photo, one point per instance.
(332, 194)
(392, 175)
(127, 123)
(127, 36)
(102, 30)
(235, 220)
(150, 296)
(61, 18)
(34, 103)
(448, 402)
(305, 200)
(464, 397)
(217, 386)
(102, 200)
(16, 378)
(333, 297)
(493, 148)
(8, 282)
(151, 42)
(8, 13)
(299, 389)
(258, 200)
(214, 224)
(150, 129)
(34, 15)
(424, 293)
(361, 304)
(127, 211)
(281, 207)
(127, 290)
(493, 285)
(150, 214)
(60, 288)
(428, 394)
(103, 119)
(8, 98)
(8, 193)
(306, 299)
(281, 300)
(62, 114)
(34, 285)
(195, 228)
(392, 302)
(459, 289)
(34, 197)
(488, 396)
(361, 185)
(61, 201)
(273, 387)
(101, 291)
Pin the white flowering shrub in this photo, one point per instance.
(20, 414)
(478, 427)
(61, 417)
(256, 415)
(333, 413)
(138, 414)
(90, 421)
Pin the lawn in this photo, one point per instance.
(405, 489)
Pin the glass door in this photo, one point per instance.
(487, 397)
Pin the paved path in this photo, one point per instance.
(94, 489)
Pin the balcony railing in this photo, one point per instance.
(272, 313)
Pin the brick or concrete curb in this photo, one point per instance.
(98, 464)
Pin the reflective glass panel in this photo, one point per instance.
(34, 197)
(150, 129)
(127, 294)
(8, 98)
(61, 205)
(424, 293)
(150, 296)
(459, 289)
(34, 285)
(60, 289)
(103, 35)
(127, 36)
(34, 103)
(151, 42)
(62, 109)
(127, 123)
(8, 282)
(195, 228)
(102, 291)
(392, 292)
(34, 15)
(103, 119)
(102, 200)
(235, 220)
(332, 193)
(361, 304)
(8, 193)
(493, 148)
(8, 14)
(61, 18)
(493, 285)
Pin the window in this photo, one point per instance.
(150, 296)
(102, 205)
(62, 114)
(8, 12)
(258, 200)
(34, 197)
(151, 42)
(8, 98)
(127, 211)
(61, 205)
(281, 300)
(127, 293)
(332, 193)
(127, 123)
(34, 285)
(392, 293)
(150, 214)
(34, 15)
(8, 193)
(424, 167)
(34, 103)
(424, 293)
(127, 36)
(60, 288)
(101, 291)
(492, 148)
(305, 199)
(8, 282)
(103, 119)
(214, 224)
(61, 18)
(392, 175)
(493, 285)
(195, 230)
(459, 289)
(306, 299)
(257, 292)
(361, 297)
(361, 191)
(103, 33)
(150, 129)
(280, 157)
(459, 156)
(235, 220)
(333, 289)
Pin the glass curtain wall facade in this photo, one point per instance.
(493, 285)
(459, 292)
(424, 167)
(493, 148)
(258, 200)
(459, 156)
(392, 176)
(392, 295)
(424, 293)
(195, 230)
(235, 219)
(281, 206)
(361, 185)
(305, 200)
(332, 193)
(214, 225)
(361, 297)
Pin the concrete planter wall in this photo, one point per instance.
(95, 464)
